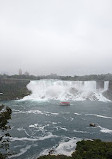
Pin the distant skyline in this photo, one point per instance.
(66, 37)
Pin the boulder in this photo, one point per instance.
(92, 124)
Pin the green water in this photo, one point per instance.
(38, 127)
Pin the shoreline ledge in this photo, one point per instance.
(87, 149)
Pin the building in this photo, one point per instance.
(20, 71)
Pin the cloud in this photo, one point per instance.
(60, 36)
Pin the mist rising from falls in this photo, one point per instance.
(66, 90)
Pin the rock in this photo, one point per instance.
(51, 152)
(92, 124)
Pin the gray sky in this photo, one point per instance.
(66, 37)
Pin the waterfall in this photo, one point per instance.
(66, 90)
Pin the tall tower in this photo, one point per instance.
(20, 71)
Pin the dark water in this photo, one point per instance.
(38, 127)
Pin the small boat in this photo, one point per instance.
(65, 103)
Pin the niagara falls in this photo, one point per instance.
(56, 79)
(40, 125)
(67, 90)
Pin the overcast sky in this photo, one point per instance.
(66, 37)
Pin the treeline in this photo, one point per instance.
(5, 115)
(103, 77)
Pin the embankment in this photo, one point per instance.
(11, 89)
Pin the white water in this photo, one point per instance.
(105, 130)
(65, 90)
(49, 135)
(22, 151)
(64, 148)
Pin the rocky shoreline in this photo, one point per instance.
(86, 149)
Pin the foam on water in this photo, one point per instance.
(66, 147)
(77, 131)
(61, 128)
(105, 130)
(22, 151)
(77, 114)
(35, 112)
(63, 148)
(100, 116)
(49, 135)
(22, 129)
(38, 127)
(43, 90)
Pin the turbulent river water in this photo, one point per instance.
(40, 124)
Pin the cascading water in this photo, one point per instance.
(66, 90)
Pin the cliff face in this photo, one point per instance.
(12, 89)
(99, 84)
(108, 93)
(110, 86)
